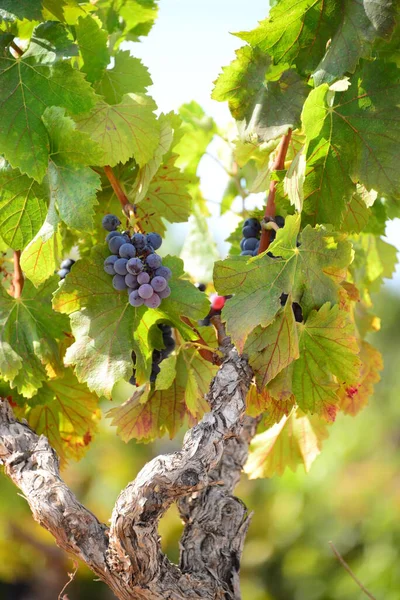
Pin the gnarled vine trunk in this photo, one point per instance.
(200, 477)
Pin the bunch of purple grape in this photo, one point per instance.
(135, 266)
(251, 232)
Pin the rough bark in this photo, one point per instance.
(201, 477)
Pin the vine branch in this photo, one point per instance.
(350, 572)
(270, 208)
(18, 277)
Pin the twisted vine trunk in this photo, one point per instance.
(200, 477)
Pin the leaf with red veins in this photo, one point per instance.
(262, 402)
(273, 348)
(353, 398)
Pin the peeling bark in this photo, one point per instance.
(200, 477)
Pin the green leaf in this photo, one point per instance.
(123, 130)
(348, 141)
(23, 207)
(310, 273)
(360, 25)
(67, 414)
(138, 16)
(128, 75)
(295, 440)
(296, 31)
(40, 258)
(23, 9)
(30, 331)
(73, 185)
(273, 348)
(92, 41)
(27, 86)
(267, 109)
(327, 347)
(54, 40)
(198, 131)
(166, 198)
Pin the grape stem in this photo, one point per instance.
(16, 48)
(350, 572)
(270, 208)
(18, 278)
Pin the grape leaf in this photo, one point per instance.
(353, 398)
(27, 86)
(327, 346)
(40, 258)
(92, 41)
(374, 261)
(166, 198)
(23, 9)
(127, 75)
(361, 23)
(55, 41)
(273, 348)
(295, 440)
(309, 272)
(266, 108)
(23, 206)
(73, 185)
(123, 130)
(296, 31)
(67, 414)
(258, 403)
(138, 16)
(30, 331)
(350, 128)
(198, 130)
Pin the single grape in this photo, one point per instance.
(255, 252)
(134, 266)
(145, 291)
(132, 380)
(120, 266)
(154, 239)
(154, 261)
(164, 272)
(247, 253)
(158, 283)
(109, 264)
(139, 240)
(127, 251)
(67, 263)
(131, 281)
(165, 293)
(218, 302)
(166, 329)
(156, 356)
(111, 235)
(169, 343)
(119, 283)
(148, 249)
(283, 298)
(201, 287)
(250, 231)
(135, 299)
(253, 222)
(110, 222)
(153, 302)
(298, 312)
(115, 244)
(155, 369)
(143, 278)
(62, 273)
(280, 221)
(242, 241)
(251, 243)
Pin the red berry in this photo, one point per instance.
(218, 302)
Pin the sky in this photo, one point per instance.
(189, 43)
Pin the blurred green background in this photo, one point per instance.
(351, 496)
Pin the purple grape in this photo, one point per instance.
(145, 291)
(165, 293)
(159, 283)
(67, 263)
(131, 281)
(139, 240)
(148, 249)
(135, 299)
(134, 266)
(143, 278)
(111, 235)
(250, 231)
(109, 264)
(250, 244)
(119, 283)
(164, 272)
(247, 253)
(154, 261)
(115, 244)
(62, 273)
(110, 222)
(154, 239)
(120, 266)
(153, 302)
(127, 251)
